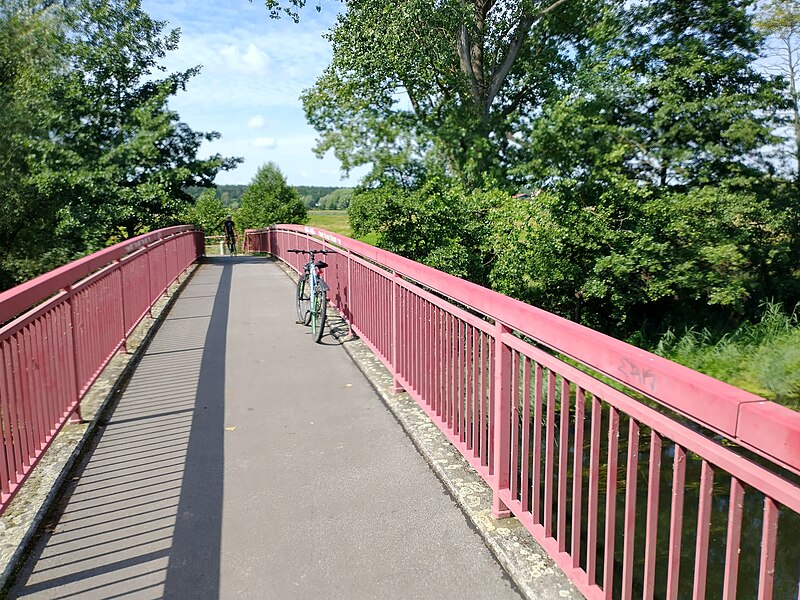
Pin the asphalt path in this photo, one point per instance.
(245, 461)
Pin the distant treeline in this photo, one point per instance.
(316, 197)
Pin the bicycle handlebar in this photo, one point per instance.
(312, 252)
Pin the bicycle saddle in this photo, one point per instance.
(321, 264)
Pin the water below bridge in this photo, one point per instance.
(244, 461)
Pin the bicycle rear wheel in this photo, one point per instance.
(320, 312)
(303, 300)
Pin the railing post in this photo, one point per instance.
(75, 417)
(150, 299)
(501, 443)
(124, 346)
(396, 333)
(348, 296)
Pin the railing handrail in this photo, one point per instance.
(20, 298)
(766, 427)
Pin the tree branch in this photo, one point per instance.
(465, 58)
(552, 7)
(525, 24)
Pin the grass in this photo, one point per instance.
(336, 221)
(762, 358)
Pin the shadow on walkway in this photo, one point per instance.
(245, 461)
(143, 511)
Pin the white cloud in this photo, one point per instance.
(253, 61)
(253, 71)
(264, 142)
(256, 122)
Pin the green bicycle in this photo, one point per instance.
(312, 294)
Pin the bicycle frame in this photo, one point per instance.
(312, 293)
(315, 279)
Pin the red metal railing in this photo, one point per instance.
(62, 328)
(639, 476)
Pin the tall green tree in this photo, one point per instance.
(653, 199)
(91, 151)
(269, 200)
(453, 81)
(704, 112)
(134, 157)
(30, 63)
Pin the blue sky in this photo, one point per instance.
(254, 69)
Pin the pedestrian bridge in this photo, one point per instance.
(243, 460)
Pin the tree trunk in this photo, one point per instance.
(795, 107)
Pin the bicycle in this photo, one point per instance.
(312, 294)
(230, 241)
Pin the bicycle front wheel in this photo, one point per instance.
(320, 312)
(303, 300)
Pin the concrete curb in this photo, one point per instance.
(84, 443)
(534, 573)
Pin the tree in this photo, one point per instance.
(452, 80)
(133, 158)
(91, 152)
(704, 112)
(207, 213)
(29, 66)
(652, 201)
(269, 200)
(338, 199)
(781, 20)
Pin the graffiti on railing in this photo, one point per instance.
(322, 234)
(632, 373)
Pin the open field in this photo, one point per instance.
(336, 221)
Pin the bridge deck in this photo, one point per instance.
(244, 461)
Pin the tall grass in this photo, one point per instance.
(762, 358)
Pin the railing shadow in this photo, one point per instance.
(143, 509)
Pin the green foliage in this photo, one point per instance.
(439, 224)
(96, 154)
(703, 111)
(207, 213)
(762, 357)
(451, 81)
(338, 199)
(136, 158)
(311, 195)
(269, 200)
(29, 56)
(652, 203)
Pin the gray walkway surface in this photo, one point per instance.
(245, 461)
